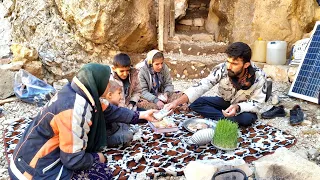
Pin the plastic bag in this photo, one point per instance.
(32, 90)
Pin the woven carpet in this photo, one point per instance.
(151, 155)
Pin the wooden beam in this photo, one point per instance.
(160, 24)
(166, 21)
(172, 19)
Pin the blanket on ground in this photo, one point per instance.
(152, 155)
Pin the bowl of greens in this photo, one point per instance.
(225, 135)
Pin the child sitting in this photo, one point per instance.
(114, 95)
(119, 133)
(127, 77)
(156, 82)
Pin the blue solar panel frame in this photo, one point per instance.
(307, 81)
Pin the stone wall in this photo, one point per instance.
(246, 20)
(66, 34)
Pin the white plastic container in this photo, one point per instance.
(259, 51)
(276, 52)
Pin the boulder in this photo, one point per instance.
(284, 164)
(292, 71)
(35, 68)
(13, 66)
(127, 25)
(23, 53)
(6, 84)
(180, 8)
(68, 34)
(277, 72)
(5, 29)
(247, 20)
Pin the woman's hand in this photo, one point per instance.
(102, 159)
(148, 115)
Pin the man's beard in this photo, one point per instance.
(234, 74)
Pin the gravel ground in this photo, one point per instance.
(308, 135)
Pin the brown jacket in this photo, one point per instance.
(134, 87)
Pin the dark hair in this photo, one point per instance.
(239, 50)
(157, 56)
(121, 60)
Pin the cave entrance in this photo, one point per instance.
(187, 18)
(194, 19)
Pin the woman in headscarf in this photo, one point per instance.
(64, 139)
(156, 82)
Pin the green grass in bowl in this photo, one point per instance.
(226, 134)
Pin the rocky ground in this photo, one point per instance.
(308, 134)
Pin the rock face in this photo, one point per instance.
(67, 34)
(123, 24)
(6, 84)
(5, 28)
(246, 20)
(180, 8)
(284, 164)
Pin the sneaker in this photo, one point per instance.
(296, 115)
(275, 111)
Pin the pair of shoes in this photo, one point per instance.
(296, 115)
(275, 111)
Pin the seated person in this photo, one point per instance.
(120, 133)
(156, 82)
(64, 139)
(242, 87)
(127, 77)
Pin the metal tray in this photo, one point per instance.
(210, 123)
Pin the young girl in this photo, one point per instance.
(156, 82)
(64, 139)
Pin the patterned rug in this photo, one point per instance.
(152, 155)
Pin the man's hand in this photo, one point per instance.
(102, 159)
(160, 104)
(170, 106)
(148, 115)
(231, 111)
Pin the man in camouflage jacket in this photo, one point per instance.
(241, 89)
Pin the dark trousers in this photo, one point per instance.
(211, 107)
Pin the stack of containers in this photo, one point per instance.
(271, 52)
(276, 52)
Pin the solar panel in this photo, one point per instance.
(307, 82)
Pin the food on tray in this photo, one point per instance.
(197, 126)
(161, 114)
(162, 98)
(167, 122)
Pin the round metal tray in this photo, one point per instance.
(210, 123)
